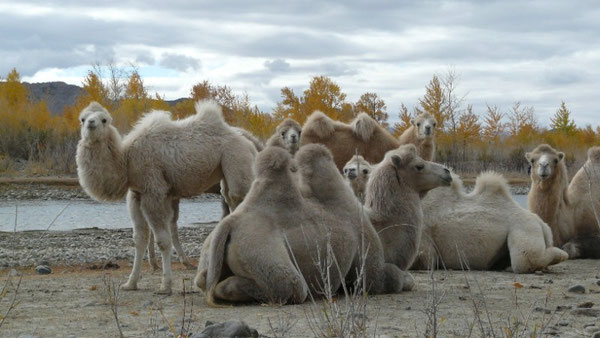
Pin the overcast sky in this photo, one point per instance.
(537, 52)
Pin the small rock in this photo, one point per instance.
(234, 328)
(577, 289)
(586, 312)
(147, 303)
(88, 304)
(462, 298)
(163, 329)
(539, 273)
(563, 307)
(110, 265)
(43, 270)
(592, 329)
(598, 282)
(535, 287)
(541, 309)
(563, 323)
(585, 305)
(589, 324)
(408, 308)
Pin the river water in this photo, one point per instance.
(39, 214)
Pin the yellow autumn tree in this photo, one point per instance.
(434, 102)
(374, 106)
(493, 126)
(405, 117)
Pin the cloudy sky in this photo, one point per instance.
(536, 52)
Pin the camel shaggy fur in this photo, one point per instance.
(571, 210)
(287, 136)
(393, 197)
(159, 161)
(288, 230)
(479, 230)
(364, 135)
(357, 172)
(421, 133)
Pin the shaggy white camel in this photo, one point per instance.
(571, 210)
(159, 161)
(481, 229)
(393, 197)
(421, 133)
(357, 172)
(287, 136)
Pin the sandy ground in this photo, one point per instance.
(72, 301)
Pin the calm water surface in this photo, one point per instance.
(37, 215)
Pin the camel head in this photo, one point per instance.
(357, 167)
(594, 154)
(544, 161)
(425, 124)
(95, 121)
(289, 130)
(417, 173)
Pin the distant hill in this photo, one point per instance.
(58, 95)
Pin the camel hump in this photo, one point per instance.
(319, 124)
(594, 154)
(209, 111)
(364, 126)
(491, 183)
(272, 159)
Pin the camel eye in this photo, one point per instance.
(103, 120)
(419, 124)
(434, 125)
(283, 134)
(365, 171)
(82, 120)
(555, 161)
(345, 171)
(420, 167)
(299, 133)
(532, 161)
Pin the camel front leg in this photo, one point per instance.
(140, 237)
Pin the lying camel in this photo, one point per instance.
(480, 230)
(571, 210)
(393, 198)
(364, 135)
(289, 230)
(356, 172)
(421, 133)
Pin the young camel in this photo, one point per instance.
(393, 198)
(288, 229)
(364, 135)
(421, 133)
(287, 136)
(356, 172)
(569, 209)
(481, 229)
(158, 162)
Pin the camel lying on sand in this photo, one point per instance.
(571, 210)
(356, 172)
(275, 245)
(394, 201)
(421, 133)
(364, 135)
(158, 162)
(482, 229)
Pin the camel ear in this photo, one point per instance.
(412, 121)
(397, 161)
(528, 157)
(561, 155)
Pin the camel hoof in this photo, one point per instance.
(129, 286)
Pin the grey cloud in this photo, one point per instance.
(180, 62)
(145, 58)
(277, 66)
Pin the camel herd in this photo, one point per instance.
(346, 201)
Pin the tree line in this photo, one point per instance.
(33, 141)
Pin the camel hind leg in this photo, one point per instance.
(268, 277)
(183, 258)
(152, 253)
(528, 251)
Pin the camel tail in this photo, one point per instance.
(216, 258)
